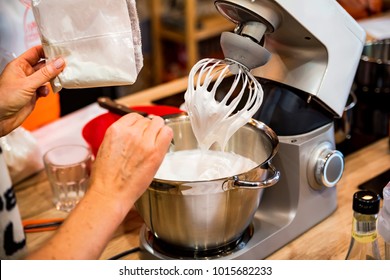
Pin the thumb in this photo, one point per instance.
(47, 72)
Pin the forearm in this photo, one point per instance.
(130, 155)
(86, 231)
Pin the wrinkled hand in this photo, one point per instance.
(22, 82)
(129, 156)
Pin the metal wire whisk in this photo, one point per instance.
(215, 121)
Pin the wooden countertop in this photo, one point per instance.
(327, 240)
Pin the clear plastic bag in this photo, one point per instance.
(100, 41)
(21, 153)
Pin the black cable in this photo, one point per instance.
(128, 252)
(44, 225)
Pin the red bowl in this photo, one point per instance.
(93, 132)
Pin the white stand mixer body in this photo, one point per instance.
(315, 46)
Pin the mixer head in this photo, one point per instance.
(244, 46)
(311, 46)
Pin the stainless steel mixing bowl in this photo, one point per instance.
(203, 215)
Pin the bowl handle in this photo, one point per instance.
(259, 184)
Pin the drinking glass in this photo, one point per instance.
(68, 169)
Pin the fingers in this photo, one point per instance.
(158, 132)
(130, 120)
(43, 73)
(154, 132)
(33, 55)
(43, 91)
(39, 65)
(47, 73)
(153, 127)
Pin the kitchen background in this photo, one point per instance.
(175, 35)
(177, 39)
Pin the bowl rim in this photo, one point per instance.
(272, 136)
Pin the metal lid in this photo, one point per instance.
(366, 202)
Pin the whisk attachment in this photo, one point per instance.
(213, 120)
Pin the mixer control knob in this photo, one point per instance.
(328, 166)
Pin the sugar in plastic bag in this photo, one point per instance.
(100, 41)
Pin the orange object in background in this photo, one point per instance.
(359, 9)
(47, 109)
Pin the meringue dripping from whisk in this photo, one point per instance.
(214, 119)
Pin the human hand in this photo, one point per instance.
(129, 156)
(22, 82)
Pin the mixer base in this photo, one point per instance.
(154, 248)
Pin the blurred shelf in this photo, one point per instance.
(207, 27)
(184, 27)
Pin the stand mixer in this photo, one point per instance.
(305, 54)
